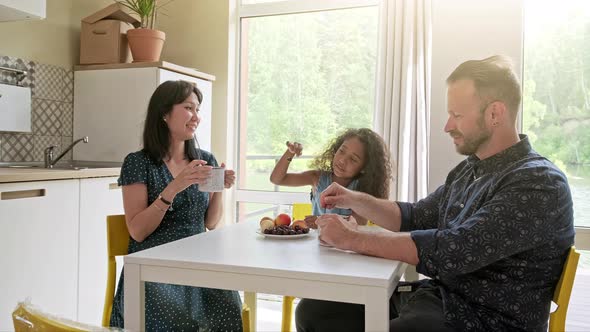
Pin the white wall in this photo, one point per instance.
(196, 37)
(54, 40)
(464, 30)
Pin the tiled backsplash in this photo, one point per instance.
(52, 96)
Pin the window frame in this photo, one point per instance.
(298, 6)
(244, 11)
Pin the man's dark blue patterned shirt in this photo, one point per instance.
(494, 239)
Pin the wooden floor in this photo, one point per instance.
(578, 315)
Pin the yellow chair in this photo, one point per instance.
(118, 245)
(28, 318)
(300, 210)
(563, 291)
(287, 313)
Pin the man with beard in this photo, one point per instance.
(493, 238)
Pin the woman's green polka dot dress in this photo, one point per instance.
(174, 307)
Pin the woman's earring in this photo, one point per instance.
(164, 119)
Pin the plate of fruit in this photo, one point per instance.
(282, 228)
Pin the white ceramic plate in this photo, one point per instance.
(282, 237)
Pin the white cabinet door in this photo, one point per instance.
(39, 247)
(99, 197)
(15, 108)
(110, 107)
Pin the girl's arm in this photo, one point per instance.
(279, 175)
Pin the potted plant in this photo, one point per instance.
(146, 42)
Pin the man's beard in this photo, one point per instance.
(472, 142)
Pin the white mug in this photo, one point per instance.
(215, 182)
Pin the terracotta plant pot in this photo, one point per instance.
(146, 44)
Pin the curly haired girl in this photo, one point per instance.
(357, 159)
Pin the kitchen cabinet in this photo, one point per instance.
(39, 245)
(110, 104)
(16, 10)
(15, 108)
(99, 197)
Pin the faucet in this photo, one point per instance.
(50, 162)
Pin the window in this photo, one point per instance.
(556, 96)
(307, 71)
(258, 1)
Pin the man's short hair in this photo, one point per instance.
(493, 78)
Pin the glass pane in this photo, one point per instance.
(304, 77)
(255, 211)
(258, 168)
(584, 262)
(556, 93)
(248, 2)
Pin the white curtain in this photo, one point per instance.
(402, 112)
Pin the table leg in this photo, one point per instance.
(411, 274)
(377, 310)
(250, 300)
(134, 295)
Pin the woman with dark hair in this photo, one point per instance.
(163, 203)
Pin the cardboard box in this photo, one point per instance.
(103, 38)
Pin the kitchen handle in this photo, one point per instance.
(99, 32)
(20, 194)
(114, 186)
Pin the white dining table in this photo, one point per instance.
(237, 257)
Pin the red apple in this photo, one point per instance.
(283, 219)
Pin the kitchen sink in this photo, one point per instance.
(65, 165)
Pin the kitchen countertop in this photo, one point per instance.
(8, 175)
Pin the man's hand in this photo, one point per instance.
(337, 231)
(336, 196)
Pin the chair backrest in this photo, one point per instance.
(300, 210)
(563, 291)
(28, 318)
(117, 245)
